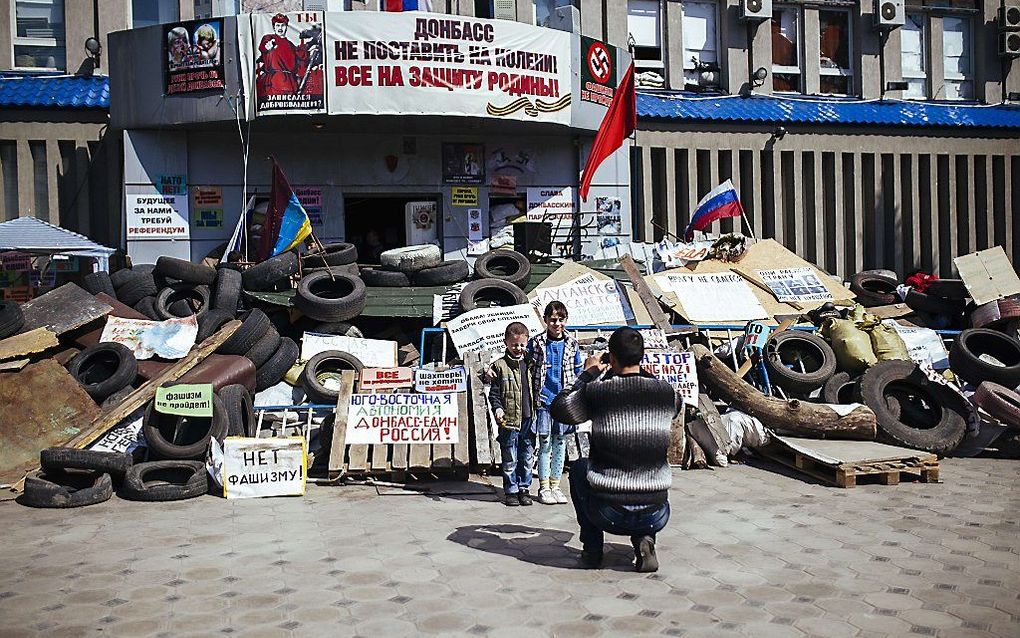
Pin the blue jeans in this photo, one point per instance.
(552, 447)
(597, 517)
(518, 450)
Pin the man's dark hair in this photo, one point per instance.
(514, 329)
(555, 306)
(627, 345)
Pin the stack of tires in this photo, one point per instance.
(500, 279)
(420, 265)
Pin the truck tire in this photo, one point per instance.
(253, 326)
(211, 321)
(929, 417)
(493, 292)
(98, 282)
(446, 273)
(840, 389)
(507, 265)
(147, 306)
(170, 480)
(324, 367)
(338, 254)
(965, 357)
(185, 271)
(104, 368)
(264, 348)
(786, 351)
(411, 258)
(137, 288)
(326, 298)
(175, 437)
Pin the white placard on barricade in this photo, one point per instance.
(484, 328)
(373, 353)
(432, 381)
(402, 418)
(254, 468)
(678, 369)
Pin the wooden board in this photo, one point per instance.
(648, 298)
(850, 463)
(42, 406)
(988, 275)
(63, 309)
(30, 342)
(473, 367)
(343, 406)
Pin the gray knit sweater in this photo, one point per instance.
(631, 417)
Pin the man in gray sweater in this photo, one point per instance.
(622, 488)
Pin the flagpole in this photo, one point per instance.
(748, 224)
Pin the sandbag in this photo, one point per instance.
(851, 344)
(886, 343)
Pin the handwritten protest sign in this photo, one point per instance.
(714, 297)
(678, 369)
(386, 378)
(483, 329)
(373, 353)
(185, 399)
(253, 468)
(402, 418)
(591, 301)
(170, 339)
(677, 254)
(795, 284)
(452, 380)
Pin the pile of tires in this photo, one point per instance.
(420, 265)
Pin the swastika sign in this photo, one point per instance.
(599, 62)
(598, 73)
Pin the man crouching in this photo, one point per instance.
(622, 488)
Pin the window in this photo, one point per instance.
(786, 49)
(912, 54)
(956, 58)
(39, 34)
(700, 40)
(545, 11)
(145, 13)
(644, 25)
(484, 9)
(834, 44)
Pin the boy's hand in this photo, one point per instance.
(500, 416)
(488, 375)
(594, 366)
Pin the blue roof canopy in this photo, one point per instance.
(761, 109)
(54, 91)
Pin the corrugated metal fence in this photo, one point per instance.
(848, 201)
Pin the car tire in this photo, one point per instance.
(325, 298)
(382, 278)
(347, 269)
(66, 489)
(506, 265)
(185, 271)
(338, 254)
(938, 427)
(874, 290)
(785, 348)
(98, 282)
(324, 365)
(411, 258)
(494, 291)
(120, 277)
(265, 276)
(147, 306)
(1000, 402)
(446, 273)
(104, 368)
(211, 321)
(169, 480)
(273, 371)
(240, 412)
(227, 291)
(840, 389)
(926, 302)
(182, 300)
(253, 327)
(264, 348)
(12, 319)
(137, 288)
(996, 314)
(197, 432)
(972, 344)
(58, 459)
(341, 328)
(953, 289)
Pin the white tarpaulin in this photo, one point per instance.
(170, 339)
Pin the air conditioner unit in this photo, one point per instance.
(755, 10)
(889, 14)
(1009, 44)
(505, 9)
(1009, 17)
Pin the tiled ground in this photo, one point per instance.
(748, 552)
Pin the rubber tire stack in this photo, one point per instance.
(506, 265)
(776, 356)
(971, 349)
(496, 291)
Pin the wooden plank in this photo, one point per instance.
(30, 342)
(145, 393)
(380, 457)
(461, 454)
(420, 457)
(63, 309)
(659, 318)
(343, 407)
(479, 412)
(14, 365)
(399, 456)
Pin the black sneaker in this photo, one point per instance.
(510, 500)
(524, 498)
(644, 555)
(591, 559)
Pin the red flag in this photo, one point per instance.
(618, 124)
(279, 196)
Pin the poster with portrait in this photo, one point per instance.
(192, 55)
(464, 163)
(288, 55)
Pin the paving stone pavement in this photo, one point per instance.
(749, 552)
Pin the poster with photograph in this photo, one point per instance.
(192, 56)
(795, 284)
(607, 215)
(288, 54)
(464, 163)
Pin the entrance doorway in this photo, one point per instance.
(375, 224)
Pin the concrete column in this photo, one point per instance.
(893, 62)
(78, 26)
(26, 186)
(867, 46)
(616, 22)
(6, 32)
(114, 15)
(673, 44)
(812, 51)
(733, 47)
(937, 68)
(988, 66)
(591, 19)
(761, 53)
(52, 187)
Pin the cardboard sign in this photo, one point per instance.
(550, 203)
(402, 418)
(170, 339)
(588, 300)
(717, 297)
(677, 254)
(185, 399)
(157, 217)
(446, 306)
(373, 353)
(795, 284)
(654, 338)
(678, 369)
(254, 468)
(386, 378)
(311, 199)
(464, 196)
(124, 437)
(432, 381)
(484, 328)
(988, 275)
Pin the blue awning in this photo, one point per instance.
(54, 91)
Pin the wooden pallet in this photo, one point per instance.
(396, 462)
(849, 463)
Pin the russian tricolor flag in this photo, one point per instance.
(722, 201)
(407, 5)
